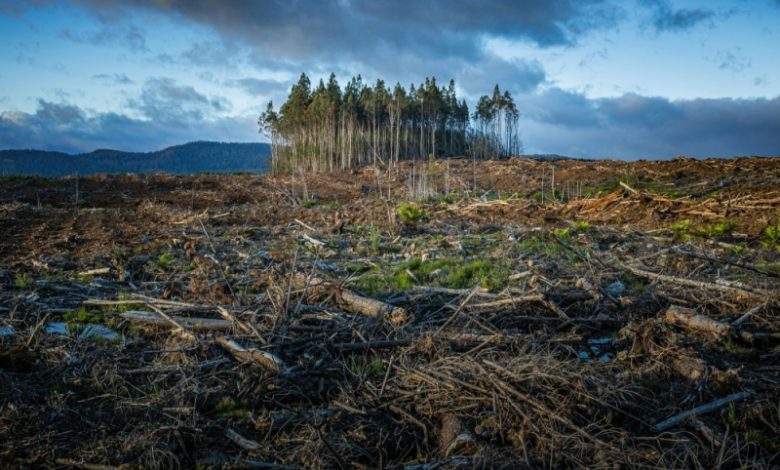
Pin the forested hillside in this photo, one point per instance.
(325, 128)
(194, 157)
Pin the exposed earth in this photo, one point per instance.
(448, 314)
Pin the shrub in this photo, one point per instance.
(410, 214)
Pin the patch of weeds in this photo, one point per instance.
(410, 214)
(83, 278)
(539, 245)
(655, 384)
(563, 234)
(741, 352)
(165, 261)
(22, 280)
(730, 417)
(370, 370)
(771, 237)
(82, 316)
(721, 228)
(581, 226)
(122, 308)
(357, 267)
(759, 437)
(308, 203)
(682, 229)
(371, 284)
(736, 249)
(228, 407)
(485, 273)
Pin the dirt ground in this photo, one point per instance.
(448, 314)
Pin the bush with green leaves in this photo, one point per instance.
(410, 214)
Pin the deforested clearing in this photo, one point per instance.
(439, 314)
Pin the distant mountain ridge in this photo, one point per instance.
(193, 157)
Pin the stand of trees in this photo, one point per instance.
(326, 128)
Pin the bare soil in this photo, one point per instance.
(500, 325)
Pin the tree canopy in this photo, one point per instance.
(324, 128)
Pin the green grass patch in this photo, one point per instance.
(685, 229)
(452, 273)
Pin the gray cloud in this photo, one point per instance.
(634, 126)
(335, 28)
(168, 103)
(68, 128)
(665, 18)
(113, 79)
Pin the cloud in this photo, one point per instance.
(633, 126)
(258, 87)
(352, 30)
(113, 79)
(734, 60)
(665, 18)
(518, 76)
(168, 103)
(128, 36)
(68, 128)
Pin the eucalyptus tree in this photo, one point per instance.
(327, 128)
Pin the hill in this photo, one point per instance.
(194, 157)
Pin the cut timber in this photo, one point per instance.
(700, 410)
(265, 359)
(355, 303)
(454, 438)
(691, 319)
(629, 188)
(723, 286)
(242, 442)
(194, 324)
(349, 300)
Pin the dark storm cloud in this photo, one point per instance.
(634, 126)
(665, 18)
(306, 28)
(166, 102)
(68, 128)
(113, 79)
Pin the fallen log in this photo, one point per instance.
(191, 323)
(348, 300)
(454, 438)
(265, 359)
(692, 320)
(722, 286)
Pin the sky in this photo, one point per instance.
(591, 78)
